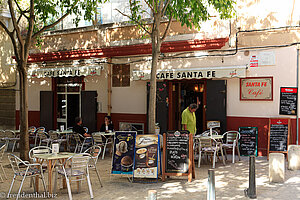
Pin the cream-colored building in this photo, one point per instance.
(235, 68)
(7, 75)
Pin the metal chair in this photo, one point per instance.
(10, 136)
(81, 141)
(78, 168)
(30, 170)
(38, 150)
(231, 142)
(2, 150)
(54, 138)
(98, 139)
(38, 130)
(94, 152)
(31, 132)
(210, 146)
(43, 138)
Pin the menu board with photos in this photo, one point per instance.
(146, 156)
(248, 141)
(123, 156)
(278, 139)
(288, 101)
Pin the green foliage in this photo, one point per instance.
(49, 11)
(188, 12)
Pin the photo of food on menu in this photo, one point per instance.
(123, 152)
(146, 149)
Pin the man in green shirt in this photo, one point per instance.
(188, 118)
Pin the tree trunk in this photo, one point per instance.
(24, 136)
(156, 43)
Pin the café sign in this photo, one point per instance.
(256, 89)
(65, 71)
(192, 73)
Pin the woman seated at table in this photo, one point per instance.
(107, 126)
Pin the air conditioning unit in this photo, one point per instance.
(128, 126)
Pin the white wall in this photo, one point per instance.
(283, 73)
(131, 99)
(99, 84)
(35, 85)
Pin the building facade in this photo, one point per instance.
(234, 68)
(7, 75)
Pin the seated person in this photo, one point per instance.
(79, 129)
(107, 126)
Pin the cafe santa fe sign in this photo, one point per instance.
(256, 89)
(192, 73)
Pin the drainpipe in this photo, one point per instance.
(297, 120)
(109, 87)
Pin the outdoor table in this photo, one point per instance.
(51, 160)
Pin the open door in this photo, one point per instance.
(89, 109)
(161, 105)
(47, 110)
(216, 102)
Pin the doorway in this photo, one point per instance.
(183, 94)
(68, 101)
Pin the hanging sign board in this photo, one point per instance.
(278, 137)
(248, 141)
(123, 156)
(146, 156)
(288, 101)
(178, 155)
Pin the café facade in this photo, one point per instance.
(234, 70)
(241, 90)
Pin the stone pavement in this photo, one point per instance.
(231, 180)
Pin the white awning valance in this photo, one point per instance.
(65, 71)
(193, 73)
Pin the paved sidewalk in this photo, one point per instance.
(231, 180)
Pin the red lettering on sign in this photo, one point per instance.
(255, 93)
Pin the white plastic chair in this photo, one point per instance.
(30, 170)
(2, 150)
(78, 168)
(94, 152)
(232, 140)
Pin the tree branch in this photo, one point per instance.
(21, 11)
(30, 29)
(16, 27)
(149, 5)
(55, 23)
(140, 24)
(5, 28)
(165, 8)
(167, 28)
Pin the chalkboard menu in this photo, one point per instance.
(248, 141)
(178, 155)
(177, 152)
(288, 101)
(278, 135)
(146, 156)
(123, 156)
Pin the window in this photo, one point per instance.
(121, 76)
